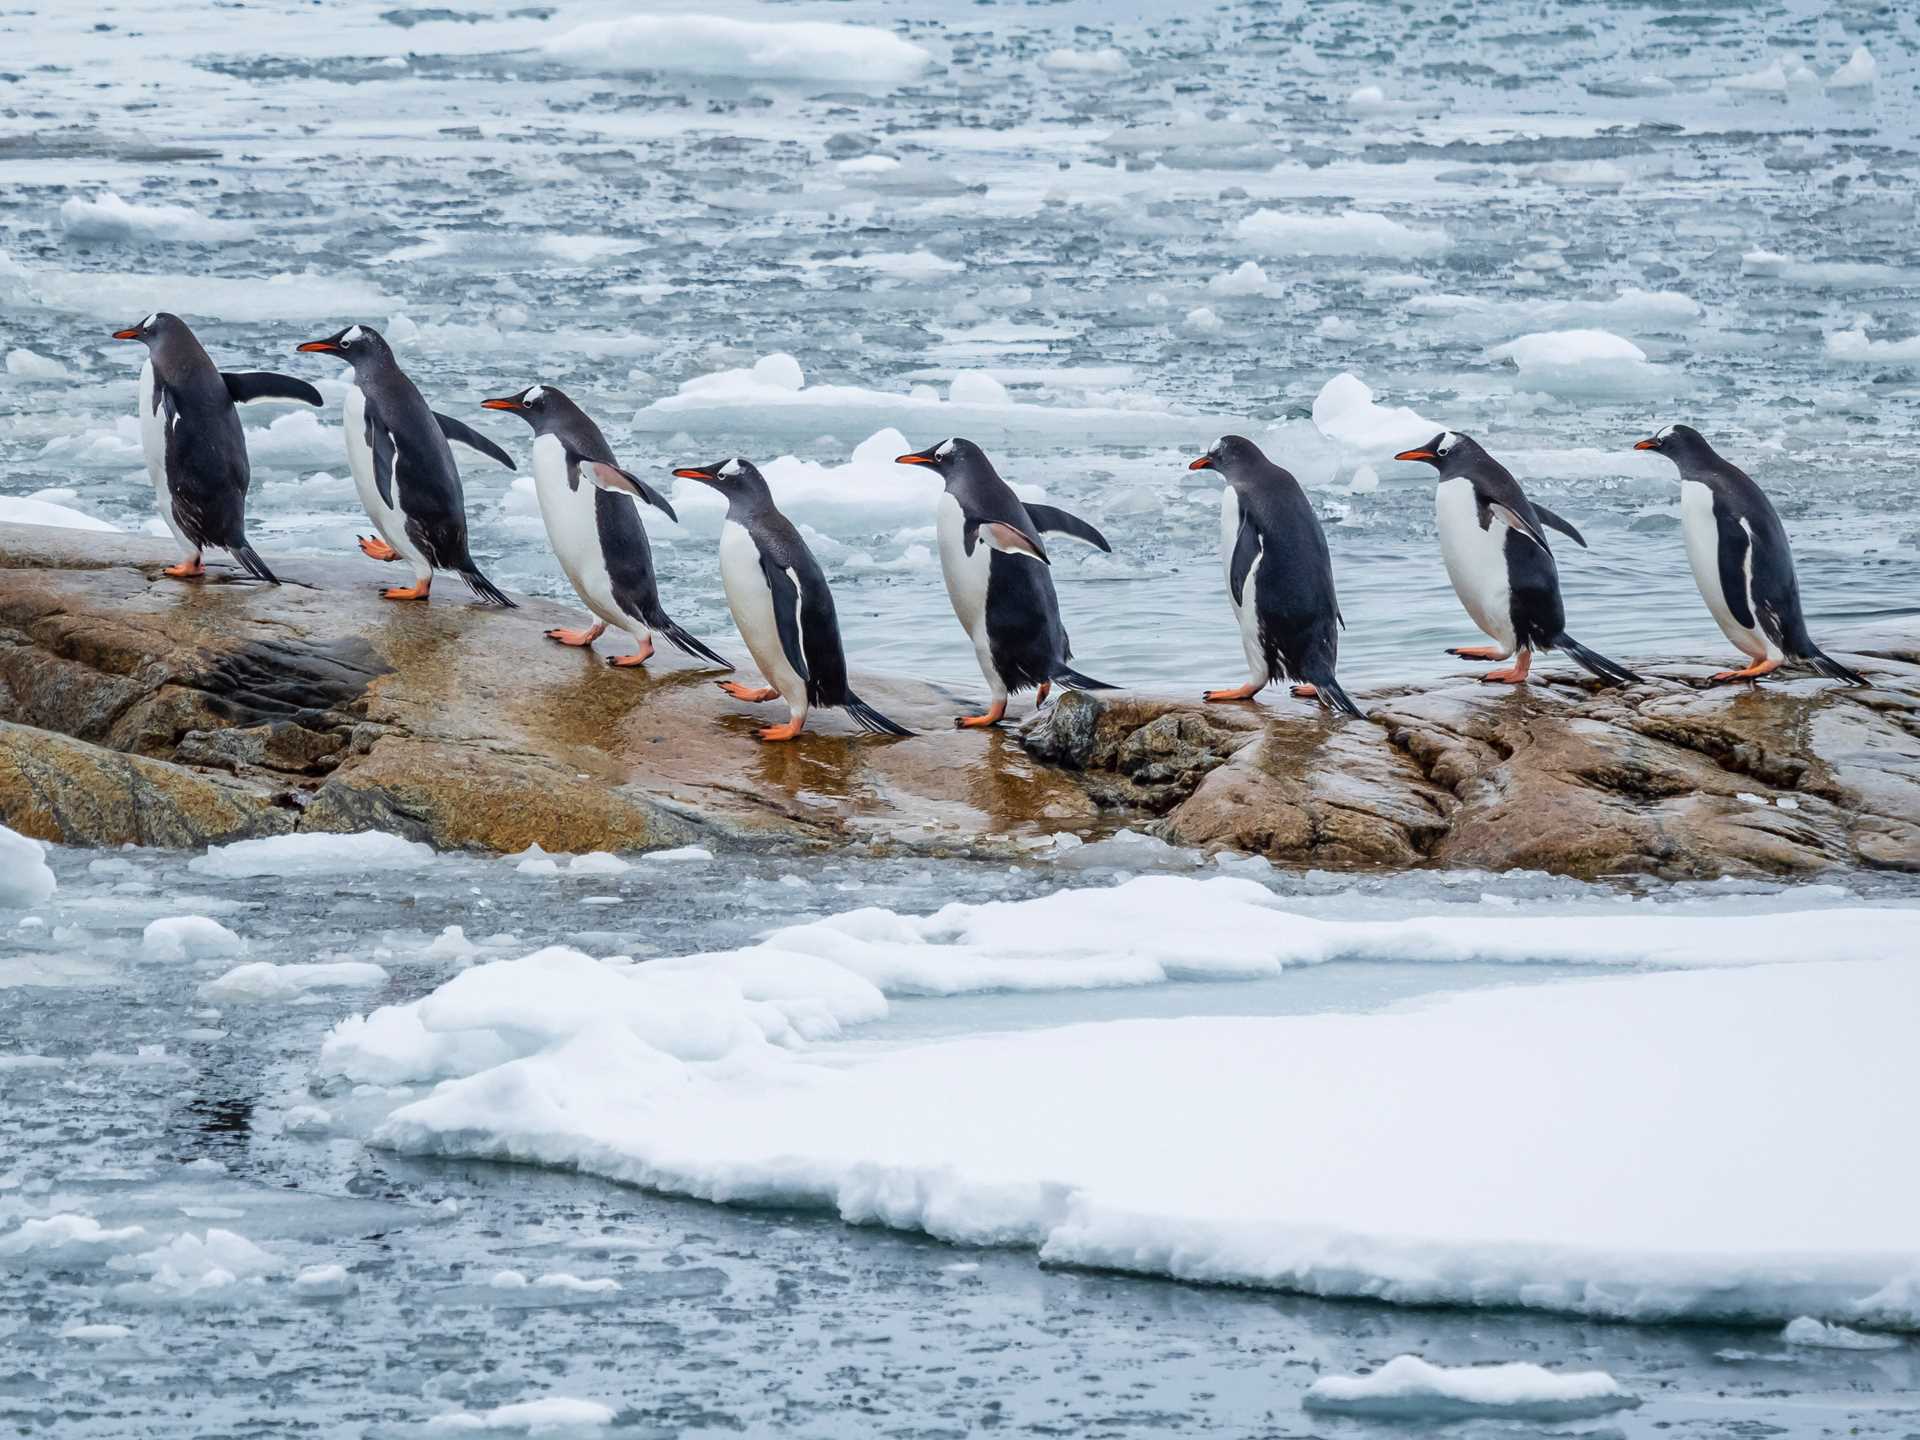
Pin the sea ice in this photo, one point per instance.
(25, 877)
(108, 218)
(183, 937)
(1582, 362)
(1106, 61)
(1344, 411)
(712, 45)
(1355, 234)
(25, 510)
(597, 862)
(1805, 1330)
(323, 1282)
(530, 1417)
(1854, 345)
(262, 982)
(68, 1239)
(1859, 73)
(1408, 1388)
(312, 854)
(24, 364)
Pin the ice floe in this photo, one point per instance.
(108, 218)
(25, 877)
(120, 294)
(26, 510)
(1859, 73)
(262, 981)
(1345, 412)
(1583, 362)
(187, 937)
(1856, 345)
(1409, 1388)
(1106, 61)
(721, 47)
(312, 854)
(1805, 1330)
(24, 364)
(554, 1413)
(1355, 234)
(323, 1282)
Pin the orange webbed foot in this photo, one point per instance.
(1239, 692)
(1040, 695)
(374, 548)
(1752, 672)
(1477, 652)
(186, 569)
(747, 693)
(575, 637)
(776, 733)
(992, 716)
(1305, 692)
(416, 591)
(635, 660)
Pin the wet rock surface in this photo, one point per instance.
(139, 709)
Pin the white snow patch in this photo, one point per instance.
(531, 1417)
(1808, 1331)
(25, 877)
(26, 365)
(1408, 1388)
(263, 982)
(1345, 412)
(1354, 234)
(25, 510)
(312, 854)
(712, 45)
(108, 218)
(182, 937)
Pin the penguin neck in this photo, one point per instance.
(178, 357)
(750, 509)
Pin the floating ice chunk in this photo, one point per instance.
(1582, 362)
(182, 937)
(1245, 279)
(1771, 80)
(1105, 61)
(710, 45)
(1808, 1331)
(1854, 345)
(97, 1333)
(189, 1264)
(312, 854)
(914, 265)
(530, 1417)
(679, 855)
(263, 982)
(597, 862)
(69, 1239)
(975, 388)
(1764, 262)
(1202, 321)
(540, 866)
(114, 295)
(452, 944)
(1365, 480)
(323, 1282)
(1344, 412)
(1580, 174)
(108, 218)
(575, 1285)
(307, 1120)
(1352, 234)
(867, 165)
(26, 365)
(400, 330)
(25, 877)
(24, 510)
(1859, 73)
(1408, 1388)
(1367, 97)
(295, 438)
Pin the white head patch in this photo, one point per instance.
(946, 449)
(1663, 432)
(532, 397)
(730, 469)
(351, 335)
(1447, 441)
(147, 324)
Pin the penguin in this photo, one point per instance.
(1741, 560)
(595, 529)
(1279, 577)
(997, 573)
(1495, 544)
(780, 601)
(404, 469)
(195, 446)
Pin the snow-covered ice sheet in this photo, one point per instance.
(1408, 1388)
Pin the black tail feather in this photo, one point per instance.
(1833, 669)
(1595, 662)
(487, 590)
(252, 563)
(686, 642)
(870, 719)
(1072, 679)
(1331, 692)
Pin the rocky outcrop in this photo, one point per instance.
(139, 709)
(1669, 777)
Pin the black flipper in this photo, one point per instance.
(1073, 680)
(1732, 555)
(1047, 517)
(246, 386)
(658, 620)
(1594, 662)
(640, 487)
(466, 435)
(487, 590)
(1547, 517)
(1246, 550)
(1826, 665)
(970, 535)
(786, 620)
(870, 719)
(256, 567)
(380, 441)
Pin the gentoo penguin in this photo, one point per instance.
(780, 601)
(595, 528)
(195, 446)
(1494, 541)
(1741, 560)
(998, 578)
(1279, 577)
(403, 467)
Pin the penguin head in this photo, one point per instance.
(358, 345)
(544, 407)
(1234, 456)
(1449, 452)
(156, 329)
(951, 460)
(1679, 443)
(735, 478)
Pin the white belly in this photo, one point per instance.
(1702, 534)
(967, 576)
(386, 518)
(752, 605)
(574, 532)
(153, 444)
(1476, 559)
(1245, 610)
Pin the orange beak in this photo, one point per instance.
(1203, 463)
(318, 347)
(692, 474)
(1646, 444)
(1416, 455)
(126, 334)
(506, 402)
(913, 460)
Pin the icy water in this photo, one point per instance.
(1050, 212)
(129, 1095)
